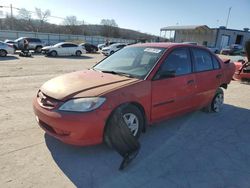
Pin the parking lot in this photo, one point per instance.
(194, 150)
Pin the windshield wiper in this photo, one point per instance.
(119, 73)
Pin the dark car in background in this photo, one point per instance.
(234, 49)
(90, 48)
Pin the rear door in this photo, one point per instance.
(64, 49)
(173, 94)
(208, 75)
(72, 49)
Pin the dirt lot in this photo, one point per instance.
(194, 150)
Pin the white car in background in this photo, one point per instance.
(64, 49)
(112, 48)
(6, 49)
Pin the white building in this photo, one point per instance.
(203, 35)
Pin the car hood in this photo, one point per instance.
(84, 84)
(48, 47)
(106, 48)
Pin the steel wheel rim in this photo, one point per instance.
(132, 122)
(218, 102)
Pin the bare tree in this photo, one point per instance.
(109, 22)
(71, 20)
(110, 28)
(73, 25)
(42, 15)
(24, 14)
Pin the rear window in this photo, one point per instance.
(69, 45)
(216, 63)
(202, 60)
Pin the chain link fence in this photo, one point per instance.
(52, 38)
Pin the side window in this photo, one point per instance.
(216, 63)
(178, 61)
(202, 60)
(64, 45)
(71, 45)
(120, 46)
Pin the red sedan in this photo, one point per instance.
(242, 71)
(146, 82)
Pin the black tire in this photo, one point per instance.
(53, 53)
(38, 49)
(93, 50)
(217, 102)
(111, 52)
(123, 111)
(78, 53)
(3, 53)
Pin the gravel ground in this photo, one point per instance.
(194, 150)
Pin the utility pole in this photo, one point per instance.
(11, 16)
(229, 11)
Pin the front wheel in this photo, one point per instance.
(53, 53)
(132, 117)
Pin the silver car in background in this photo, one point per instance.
(34, 44)
(6, 49)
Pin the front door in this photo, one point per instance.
(174, 86)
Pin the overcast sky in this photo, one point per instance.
(145, 15)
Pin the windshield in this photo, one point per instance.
(133, 61)
(58, 44)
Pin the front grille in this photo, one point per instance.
(46, 101)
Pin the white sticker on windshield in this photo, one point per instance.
(152, 50)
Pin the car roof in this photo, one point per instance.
(60, 43)
(166, 45)
(117, 44)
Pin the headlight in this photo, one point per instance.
(82, 104)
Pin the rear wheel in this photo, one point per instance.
(38, 49)
(133, 119)
(78, 53)
(3, 53)
(217, 102)
(111, 52)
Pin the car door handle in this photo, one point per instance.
(218, 76)
(190, 82)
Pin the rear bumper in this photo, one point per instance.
(72, 128)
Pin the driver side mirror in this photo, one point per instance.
(166, 74)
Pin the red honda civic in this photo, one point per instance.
(148, 82)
